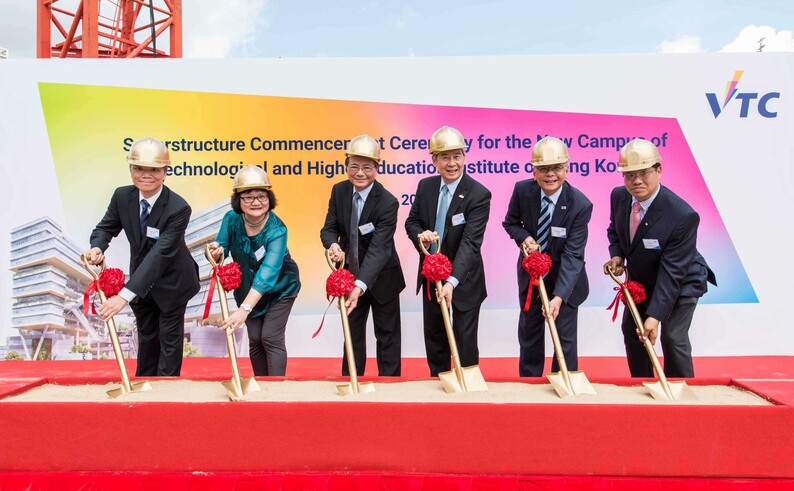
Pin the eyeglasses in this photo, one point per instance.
(549, 168)
(630, 176)
(249, 200)
(353, 169)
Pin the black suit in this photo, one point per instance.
(461, 243)
(566, 279)
(379, 270)
(673, 273)
(163, 275)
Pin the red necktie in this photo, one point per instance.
(634, 220)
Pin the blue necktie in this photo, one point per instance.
(355, 214)
(441, 215)
(544, 224)
(144, 217)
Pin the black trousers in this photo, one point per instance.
(267, 341)
(465, 325)
(674, 337)
(388, 333)
(160, 338)
(532, 339)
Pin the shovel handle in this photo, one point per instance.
(351, 359)
(635, 314)
(331, 264)
(126, 386)
(555, 338)
(424, 249)
(453, 345)
(230, 345)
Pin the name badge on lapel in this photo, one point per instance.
(458, 219)
(259, 253)
(559, 232)
(652, 244)
(152, 233)
(367, 228)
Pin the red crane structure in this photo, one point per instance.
(109, 29)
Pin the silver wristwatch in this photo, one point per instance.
(246, 307)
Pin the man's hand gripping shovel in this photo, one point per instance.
(126, 386)
(237, 387)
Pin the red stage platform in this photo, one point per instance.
(305, 445)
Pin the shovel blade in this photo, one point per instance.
(472, 377)
(679, 390)
(247, 384)
(136, 387)
(347, 389)
(579, 384)
(557, 381)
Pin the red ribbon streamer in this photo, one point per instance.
(616, 302)
(322, 321)
(210, 292)
(532, 282)
(635, 289)
(93, 287)
(537, 265)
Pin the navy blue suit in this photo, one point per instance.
(566, 279)
(673, 273)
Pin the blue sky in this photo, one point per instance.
(430, 28)
(283, 28)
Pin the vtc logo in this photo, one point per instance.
(731, 92)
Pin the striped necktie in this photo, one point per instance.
(544, 224)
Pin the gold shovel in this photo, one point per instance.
(661, 390)
(564, 382)
(459, 379)
(126, 386)
(354, 387)
(237, 387)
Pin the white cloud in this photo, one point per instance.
(685, 43)
(749, 37)
(211, 28)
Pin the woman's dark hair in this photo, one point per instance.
(271, 198)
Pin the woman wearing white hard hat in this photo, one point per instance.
(257, 240)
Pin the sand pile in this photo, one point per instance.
(429, 391)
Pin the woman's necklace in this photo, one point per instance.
(260, 222)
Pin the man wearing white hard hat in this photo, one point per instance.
(163, 274)
(653, 233)
(454, 208)
(549, 215)
(359, 231)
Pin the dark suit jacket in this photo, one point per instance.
(676, 268)
(161, 267)
(379, 265)
(567, 277)
(461, 243)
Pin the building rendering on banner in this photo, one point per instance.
(47, 292)
(204, 335)
(49, 283)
